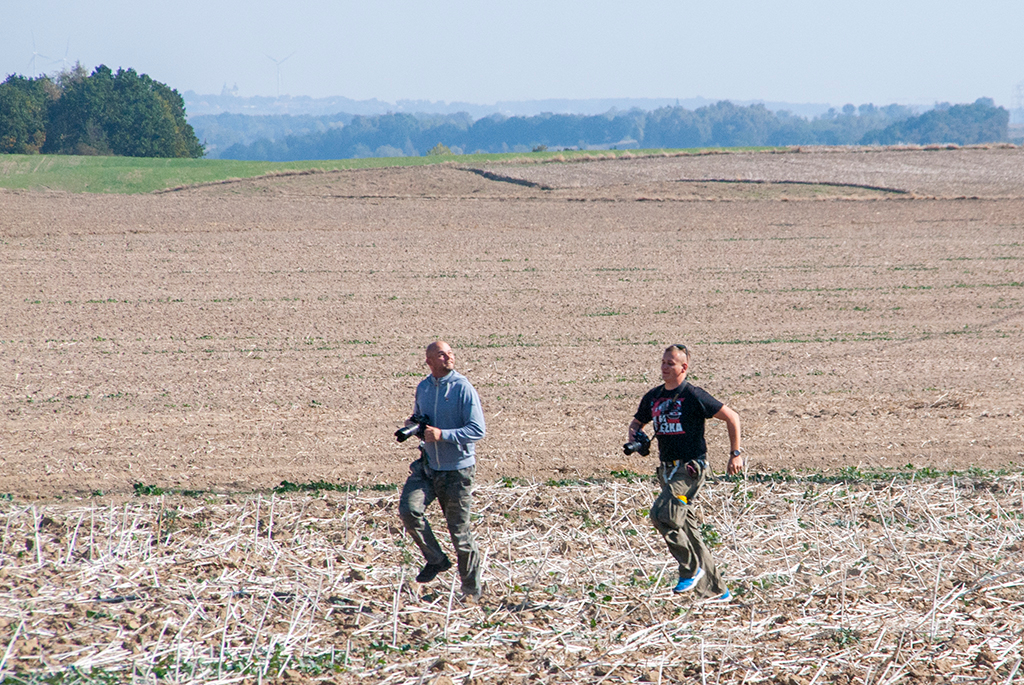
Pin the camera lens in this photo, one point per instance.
(406, 432)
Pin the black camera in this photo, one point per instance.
(640, 444)
(417, 428)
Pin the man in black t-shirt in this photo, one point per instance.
(678, 411)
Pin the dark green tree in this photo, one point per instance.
(980, 122)
(121, 113)
(76, 119)
(23, 105)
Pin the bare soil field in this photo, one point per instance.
(236, 335)
(166, 360)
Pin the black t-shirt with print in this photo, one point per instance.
(678, 416)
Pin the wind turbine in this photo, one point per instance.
(63, 61)
(32, 62)
(279, 62)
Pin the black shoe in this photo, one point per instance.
(430, 571)
(473, 594)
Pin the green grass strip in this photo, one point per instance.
(322, 485)
(847, 474)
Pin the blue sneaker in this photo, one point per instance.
(724, 597)
(685, 584)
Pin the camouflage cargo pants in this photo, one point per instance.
(674, 517)
(453, 491)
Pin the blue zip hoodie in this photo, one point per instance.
(453, 405)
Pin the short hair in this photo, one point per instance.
(682, 348)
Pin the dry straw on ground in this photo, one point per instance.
(844, 580)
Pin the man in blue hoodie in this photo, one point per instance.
(445, 468)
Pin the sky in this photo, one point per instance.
(913, 52)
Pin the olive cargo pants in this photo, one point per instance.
(453, 491)
(673, 515)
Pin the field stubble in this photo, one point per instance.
(847, 581)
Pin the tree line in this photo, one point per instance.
(720, 125)
(130, 114)
(103, 113)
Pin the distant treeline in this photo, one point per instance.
(102, 113)
(720, 125)
(220, 131)
(130, 114)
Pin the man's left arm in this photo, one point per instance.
(473, 427)
(732, 422)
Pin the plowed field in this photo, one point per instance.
(856, 308)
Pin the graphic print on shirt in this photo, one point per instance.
(666, 413)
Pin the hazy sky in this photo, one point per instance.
(822, 51)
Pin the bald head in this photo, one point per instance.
(438, 345)
(440, 358)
